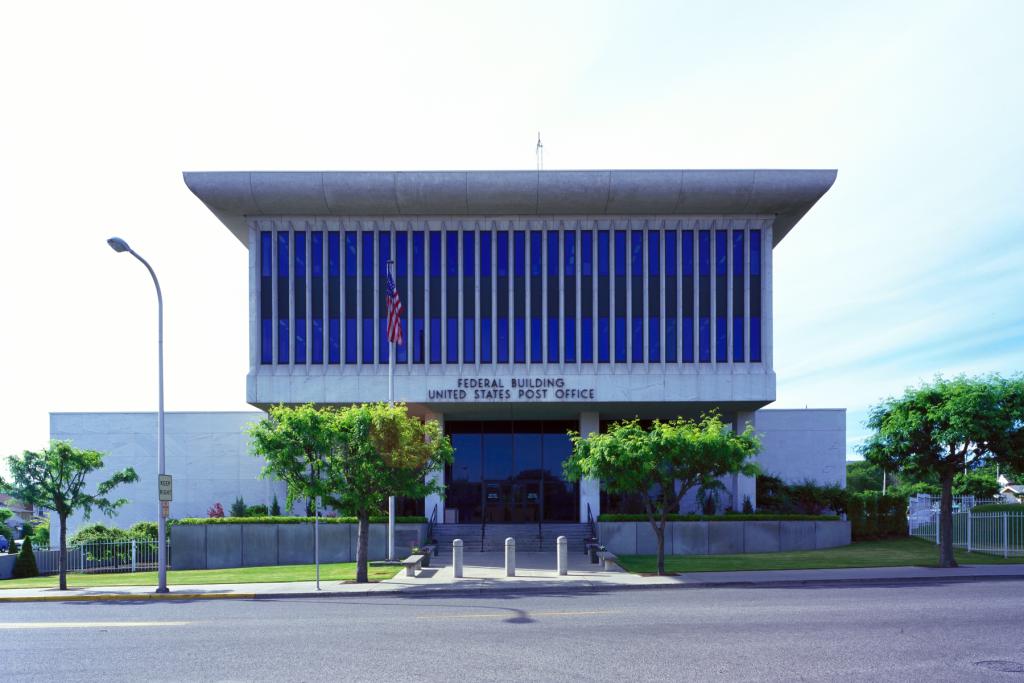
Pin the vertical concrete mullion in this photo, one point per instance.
(766, 296)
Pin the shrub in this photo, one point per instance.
(215, 512)
(41, 533)
(238, 507)
(731, 517)
(25, 566)
(873, 515)
(748, 507)
(376, 519)
(998, 507)
(275, 508)
(97, 533)
(143, 530)
(257, 511)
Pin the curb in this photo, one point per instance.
(546, 589)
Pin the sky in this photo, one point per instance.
(910, 266)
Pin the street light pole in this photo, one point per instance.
(119, 245)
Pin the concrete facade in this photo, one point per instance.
(803, 444)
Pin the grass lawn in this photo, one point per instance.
(893, 552)
(342, 571)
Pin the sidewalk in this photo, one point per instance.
(485, 573)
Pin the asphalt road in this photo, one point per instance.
(932, 632)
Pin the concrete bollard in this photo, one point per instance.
(562, 544)
(510, 556)
(457, 557)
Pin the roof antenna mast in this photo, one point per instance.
(540, 153)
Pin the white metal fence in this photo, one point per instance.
(103, 557)
(991, 533)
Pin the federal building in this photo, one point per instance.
(535, 302)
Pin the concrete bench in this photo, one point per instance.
(609, 560)
(412, 564)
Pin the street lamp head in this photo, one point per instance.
(118, 244)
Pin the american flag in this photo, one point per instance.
(394, 311)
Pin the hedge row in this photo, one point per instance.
(873, 515)
(722, 518)
(999, 507)
(376, 519)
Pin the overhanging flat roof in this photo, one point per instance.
(234, 195)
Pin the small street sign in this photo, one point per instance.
(165, 488)
(165, 509)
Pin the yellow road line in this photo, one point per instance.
(86, 624)
(512, 613)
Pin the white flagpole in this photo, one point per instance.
(391, 401)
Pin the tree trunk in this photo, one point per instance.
(946, 558)
(62, 558)
(362, 541)
(659, 531)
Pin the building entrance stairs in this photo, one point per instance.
(529, 537)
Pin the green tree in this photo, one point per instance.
(352, 458)
(54, 478)
(5, 530)
(980, 483)
(238, 508)
(662, 463)
(862, 475)
(275, 508)
(945, 427)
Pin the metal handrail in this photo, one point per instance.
(590, 521)
(430, 525)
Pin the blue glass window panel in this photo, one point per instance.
(636, 252)
(266, 254)
(402, 276)
(570, 341)
(553, 262)
(351, 334)
(282, 340)
(620, 339)
(553, 339)
(653, 253)
(417, 335)
(401, 254)
(468, 253)
(755, 252)
(417, 254)
(670, 253)
(485, 340)
(705, 340)
(300, 297)
(721, 252)
(267, 341)
(737, 253)
(383, 253)
(688, 253)
(452, 355)
(367, 254)
(485, 254)
(654, 339)
(569, 252)
(367, 341)
(350, 253)
(602, 252)
(282, 255)
(469, 337)
(519, 256)
(536, 259)
(737, 339)
(452, 253)
(536, 346)
(317, 341)
(755, 339)
(587, 253)
(671, 339)
(721, 339)
(687, 339)
(603, 340)
(502, 339)
(435, 339)
(587, 340)
(334, 341)
(638, 339)
(502, 238)
(620, 252)
(705, 252)
(435, 255)
(519, 353)
(384, 351)
(316, 248)
(368, 279)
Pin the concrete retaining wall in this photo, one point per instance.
(7, 565)
(723, 538)
(222, 546)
